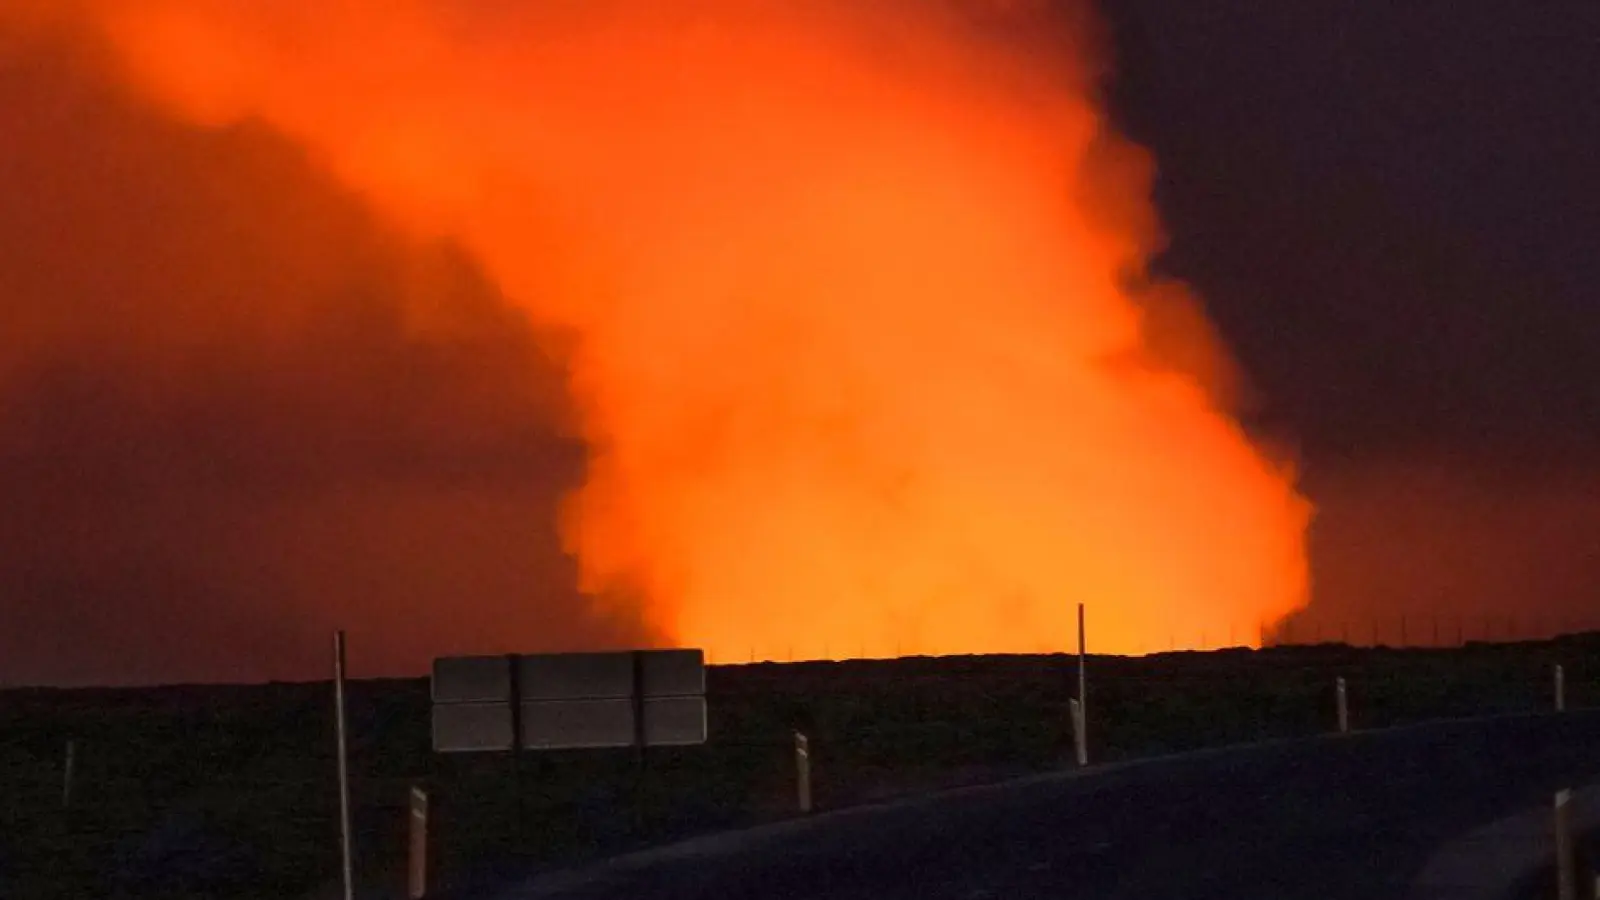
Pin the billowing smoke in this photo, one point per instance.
(226, 428)
(852, 301)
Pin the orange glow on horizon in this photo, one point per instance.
(862, 346)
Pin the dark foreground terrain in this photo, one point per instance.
(1349, 817)
(229, 791)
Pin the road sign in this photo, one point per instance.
(569, 701)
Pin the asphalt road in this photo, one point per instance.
(1348, 817)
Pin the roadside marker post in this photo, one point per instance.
(1561, 689)
(802, 767)
(1566, 877)
(1343, 700)
(417, 881)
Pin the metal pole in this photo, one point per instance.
(1561, 689)
(348, 869)
(1080, 740)
(1083, 692)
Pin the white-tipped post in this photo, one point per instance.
(1343, 700)
(802, 770)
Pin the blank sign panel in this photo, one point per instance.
(673, 673)
(569, 700)
(472, 679)
(470, 727)
(574, 724)
(576, 676)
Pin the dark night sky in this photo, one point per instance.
(1391, 210)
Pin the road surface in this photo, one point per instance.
(1351, 817)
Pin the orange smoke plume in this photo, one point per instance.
(862, 342)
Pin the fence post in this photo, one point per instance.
(1566, 887)
(802, 766)
(418, 870)
(1342, 698)
(1561, 689)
